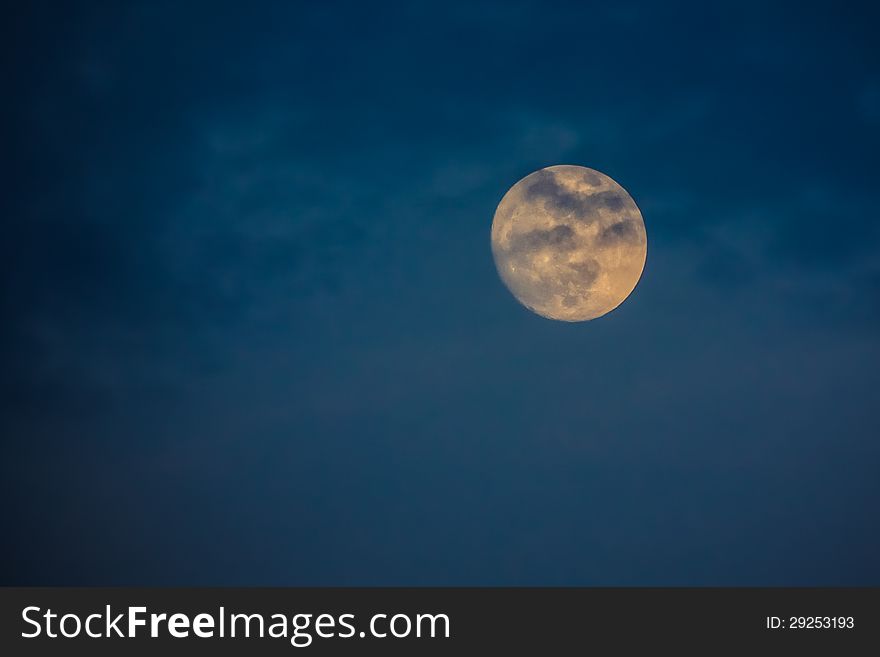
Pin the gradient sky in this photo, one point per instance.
(253, 333)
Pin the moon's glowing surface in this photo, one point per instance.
(569, 243)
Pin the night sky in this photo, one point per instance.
(252, 332)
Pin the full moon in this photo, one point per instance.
(569, 243)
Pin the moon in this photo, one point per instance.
(569, 243)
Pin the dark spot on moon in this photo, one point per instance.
(557, 200)
(589, 269)
(593, 178)
(560, 238)
(613, 201)
(560, 201)
(581, 274)
(543, 184)
(623, 231)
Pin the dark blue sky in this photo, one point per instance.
(253, 334)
